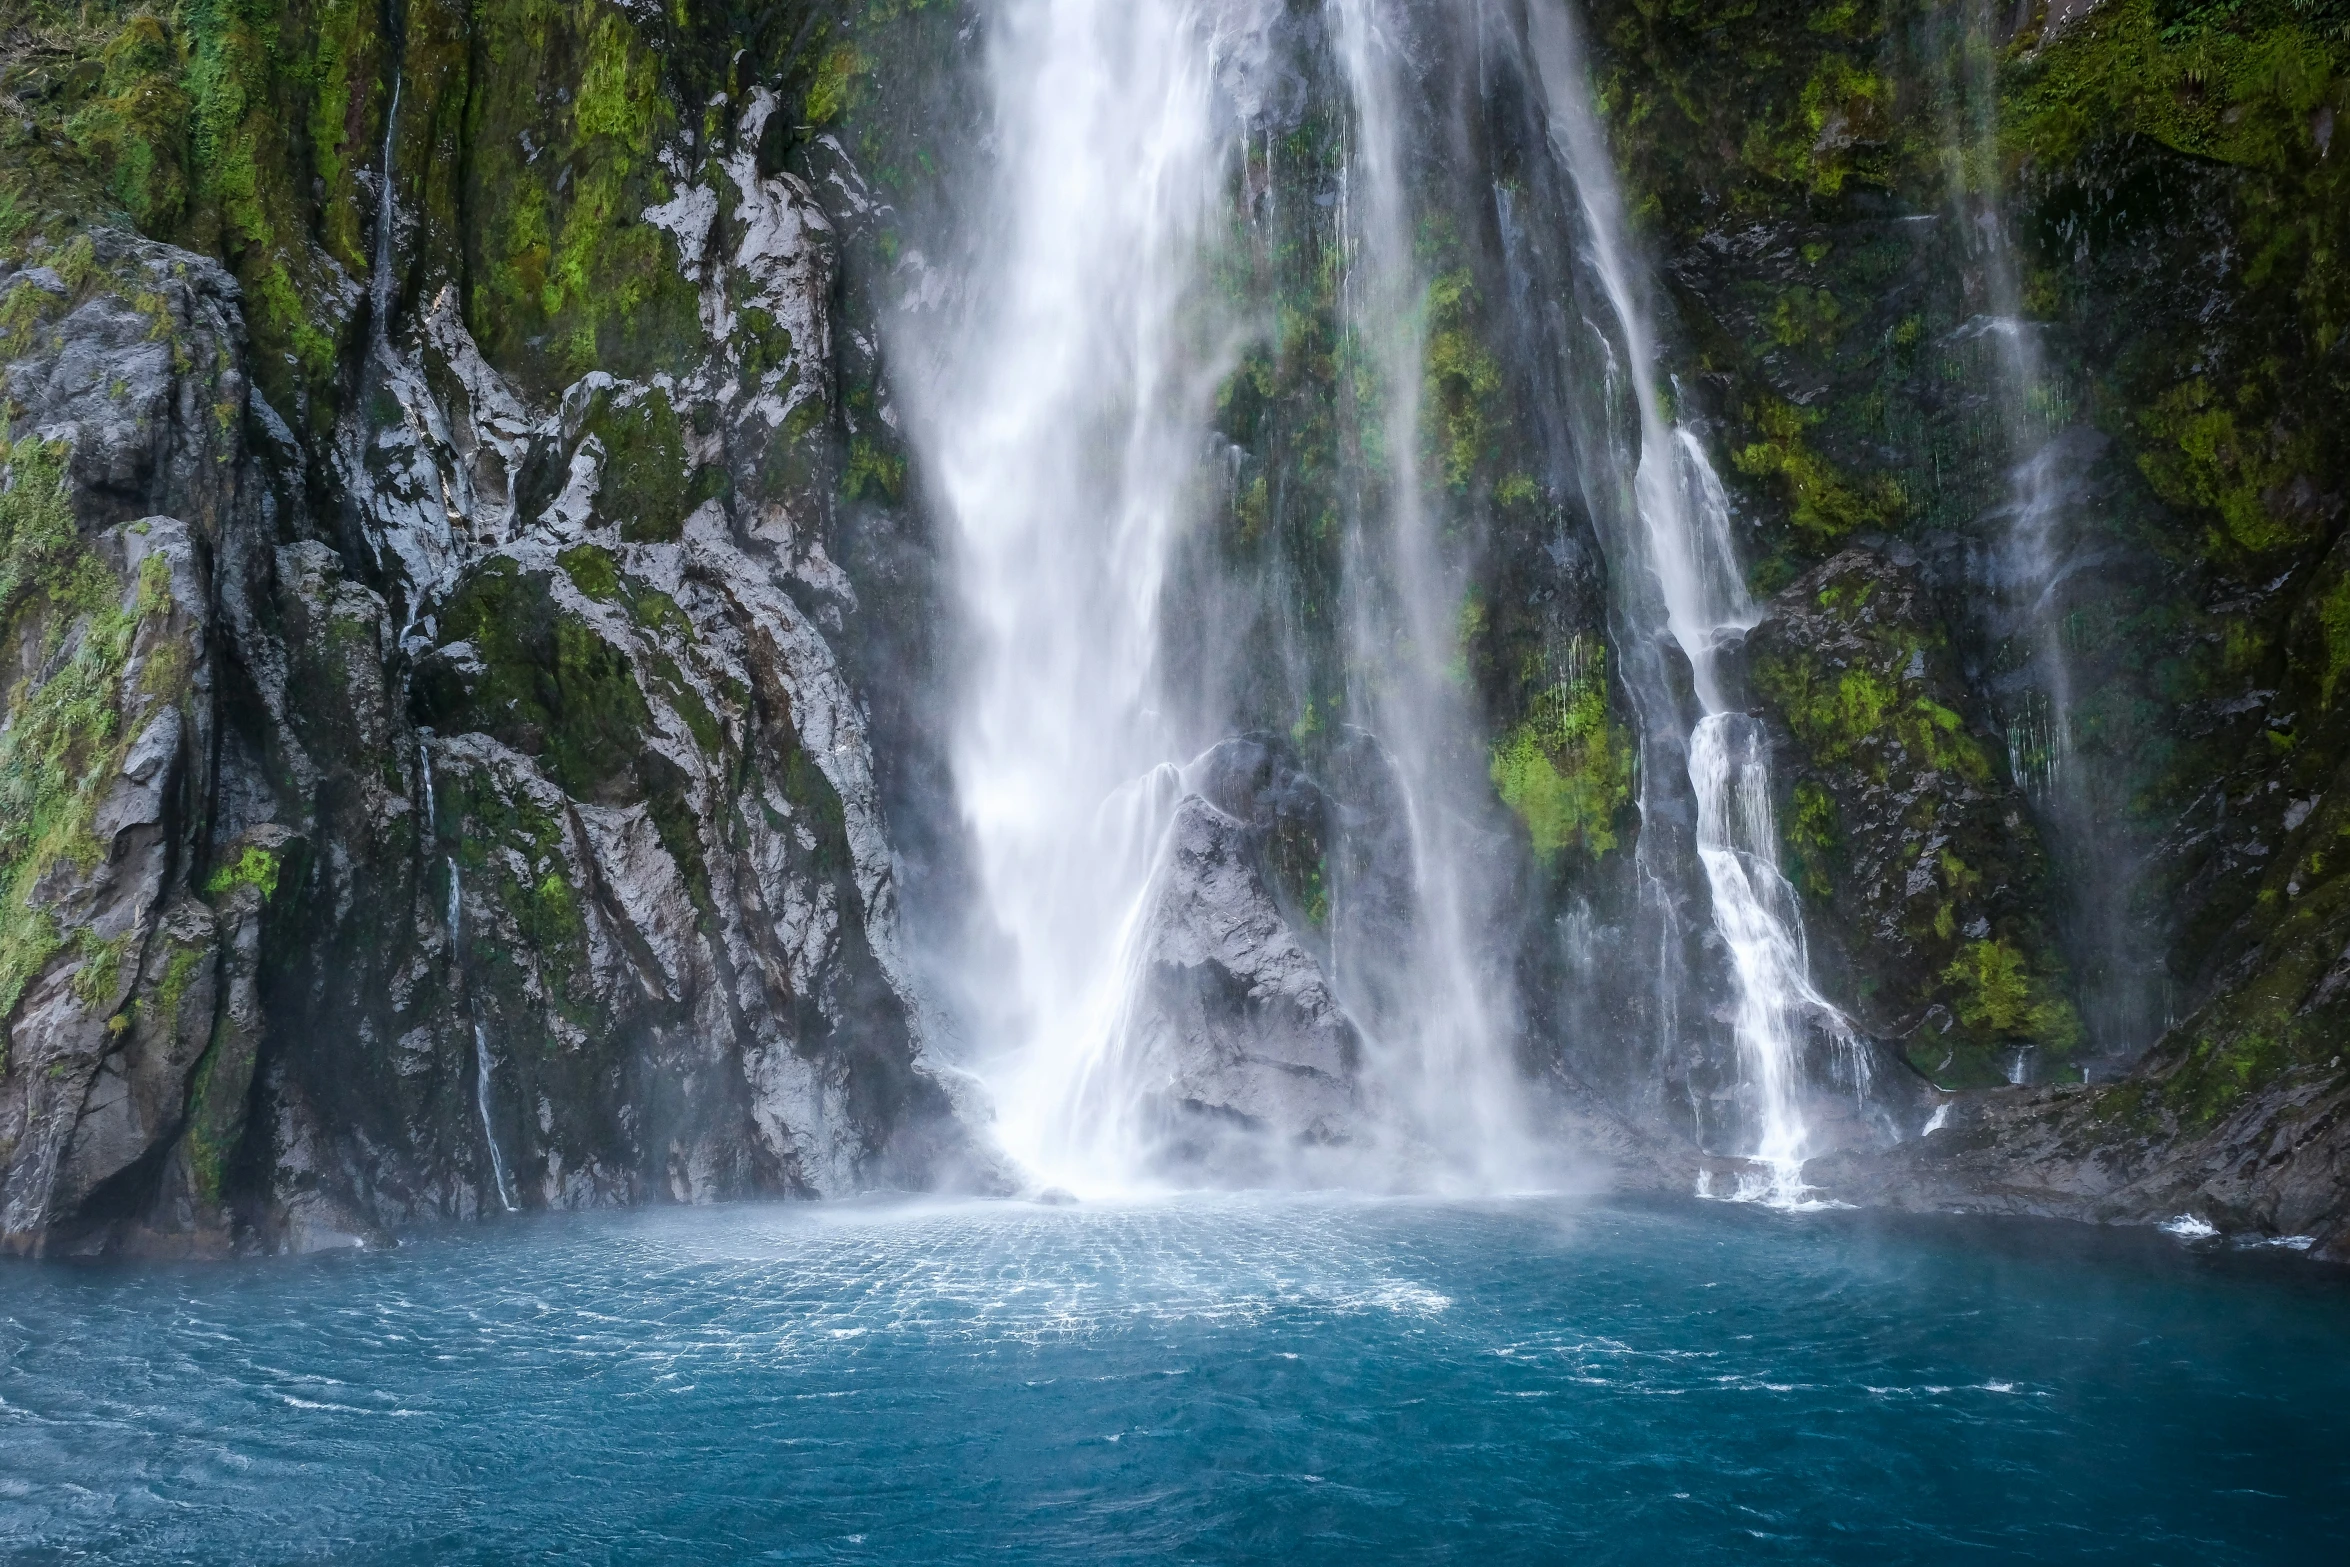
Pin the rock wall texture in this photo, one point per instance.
(474, 643)
(433, 783)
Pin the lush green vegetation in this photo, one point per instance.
(70, 725)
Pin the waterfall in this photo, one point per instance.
(1446, 1056)
(481, 1044)
(1067, 422)
(1679, 579)
(1065, 429)
(2033, 560)
(481, 1102)
(379, 287)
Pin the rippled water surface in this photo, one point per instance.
(1210, 1379)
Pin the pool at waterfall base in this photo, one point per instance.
(1203, 1378)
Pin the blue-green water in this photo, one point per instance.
(1221, 1379)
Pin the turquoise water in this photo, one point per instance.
(1226, 1379)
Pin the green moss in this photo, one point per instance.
(206, 1153)
(254, 867)
(100, 976)
(1996, 994)
(592, 570)
(552, 687)
(1815, 839)
(178, 973)
(2334, 620)
(64, 738)
(1825, 505)
(134, 129)
(647, 487)
(1565, 769)
(873, 473)
(1461, 380)
(504, 841)
(561, 132)
(1806, 318)
(835, 90)
(1856, 715)
(248, 208)
(2236, 82)
(1833, 132)
(2222, 456)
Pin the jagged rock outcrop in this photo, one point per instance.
(460, 805)
(2273, 1168)
(1244, 1050)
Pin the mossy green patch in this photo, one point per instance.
(648, 487)
(1996, 993)
(1566, 769)
(97, 981)
(253, 867)
(1815, 839)
(1859, 714)
(65, 734)
(2229, 457)
(1462, 378)
(1825, 503)
(592, 570)
(834, 92)
(552, 687)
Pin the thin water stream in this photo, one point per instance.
(1683, 582)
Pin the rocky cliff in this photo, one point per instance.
(433, 782)
(474, 640)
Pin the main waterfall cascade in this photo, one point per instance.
(1117, 797)
(1063, 430)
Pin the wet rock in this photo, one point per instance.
(1916, 854)
(2276, 1164)
(1245, 1053)
(516, 814)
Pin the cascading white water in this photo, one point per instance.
(2028, 554)
(1066, 427)
(481, 1102)
(481, 1039)
(1695, 593)
(1446, 1061)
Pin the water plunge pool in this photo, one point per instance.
(1207, 1378)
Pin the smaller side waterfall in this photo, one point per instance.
(2035, 559)
(481, 1101)
(1679, 578)
(499, 1179)
(379, 287)
(1446, 1054)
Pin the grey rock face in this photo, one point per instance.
(1250, 1053)
(2276, 1166)
(1915, 852)
(510, 841)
